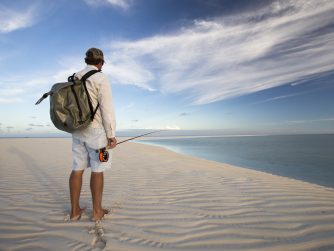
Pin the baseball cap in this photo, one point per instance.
(94, 55)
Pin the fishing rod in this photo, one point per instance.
(103, 153)
(138, 136)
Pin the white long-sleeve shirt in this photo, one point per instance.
(100, 92)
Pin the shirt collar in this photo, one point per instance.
(91, 67)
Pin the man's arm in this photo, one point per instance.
(107, 111)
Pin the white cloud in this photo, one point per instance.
(283, 97)
(172, 127)
(11, 95)
(10, 92)
(10, 100)
(15, 89)
(123, 4)
(216, 59)
(127, 71)
(164, 127)
(232, 56)
(127, 107)
(11, 20)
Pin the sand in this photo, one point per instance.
(160, 201)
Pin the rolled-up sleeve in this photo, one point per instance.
(107, 107)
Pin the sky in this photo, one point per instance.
(232, 66)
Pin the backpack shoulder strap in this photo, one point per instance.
(45, 95)
(88, 74)
(83, 79)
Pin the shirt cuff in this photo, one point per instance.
(110, 134)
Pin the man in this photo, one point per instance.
(100, 133)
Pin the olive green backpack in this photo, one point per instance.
(71, 107)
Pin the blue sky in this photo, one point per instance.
(257, 67)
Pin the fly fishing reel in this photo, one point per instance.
(103, 155)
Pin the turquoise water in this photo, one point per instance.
(305, 157)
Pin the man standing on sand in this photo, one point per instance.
(100, 133)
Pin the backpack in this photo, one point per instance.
(71, 107)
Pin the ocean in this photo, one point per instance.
(304, 157)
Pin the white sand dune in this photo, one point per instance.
(160, 201)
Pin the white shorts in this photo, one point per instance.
(84, 151)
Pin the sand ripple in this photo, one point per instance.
(160, 201)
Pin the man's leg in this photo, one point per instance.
(96, 187)
(75, 183)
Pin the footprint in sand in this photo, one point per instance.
(98, 242)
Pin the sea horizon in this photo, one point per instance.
(279, 157)
(306, 157)
(161, 134)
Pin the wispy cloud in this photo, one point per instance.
(10, 100)
(127, 107)
(231, 56)
(10, 95)
(10, 92)
(12, 19)
(34, 85)
(34, 125)
(164, 127)
(283, 97)
(123, 4)
(172, 127)
(124, 70)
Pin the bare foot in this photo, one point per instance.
(75, 216)
(100, 215)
